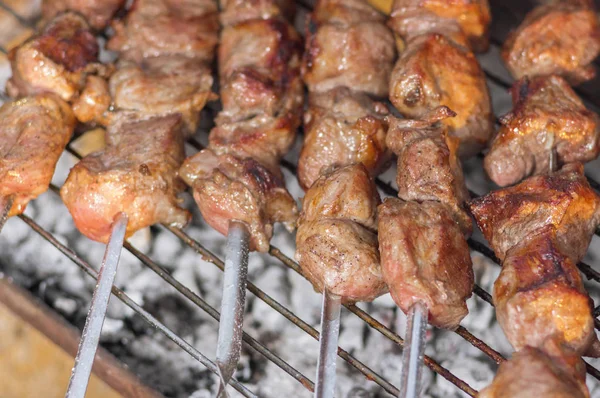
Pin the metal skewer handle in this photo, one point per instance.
(229, 344)
(414, 349)
(90, 337)
(328, 345)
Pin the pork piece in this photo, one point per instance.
(548, 121)
(348, 45)
(434, 71)
(259, 71)
(92, 105)
(34, 131)
(559, 37)
(167, 27)
(531, 373)
(236, 11)
(57, 60)
(342, 127)
(336, 243)
(425, 258)
(563, 200)
(229, 188)
(136, 174)
(428, 166)
(97, 12)
(465, 21)
(164, 85)
(540, 294)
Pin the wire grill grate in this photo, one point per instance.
(388, 189)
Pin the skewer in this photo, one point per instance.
(6, 204)
(93, 324)
(414, 349)
(229, 344)
(328, 345)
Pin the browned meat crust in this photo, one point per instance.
(34, 131)
(97, 12)
(559, 37)
(548, 120)
(236, 11)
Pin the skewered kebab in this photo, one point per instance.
(97, 12)
(347, 46)
(436, 67)
(237, 182)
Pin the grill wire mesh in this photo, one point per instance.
(500, 10)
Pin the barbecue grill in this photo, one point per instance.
(506, 15)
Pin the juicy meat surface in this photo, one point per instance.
(563, 200)
(435, 71)
(548, 121)
(34, 131)
(97, 12)
(57, 60)
(428, 165)
(136, 174)
(425, 258)
(229, 188)
(336, 243)
(540, 294)
(560, 37)
(348, 46)
(94, 101)
(163, 85)
(342, 127)
(167, 27)
(533, 373)
(236, 11)
(455, 19)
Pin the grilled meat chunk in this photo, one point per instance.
(136, 174)
(434, 71)
(428, 166)
(559, 37)
(424, 257)
(552, 372)
(336, 244)
(92, 105)
(548, 121)
(464, 21)
(563, 200)
(57, 60)
(163, 85)
(166, 27)
(236, 11)
(348, 45)
(342, 127)
(97, 12)
(35, 131)
(229, 188)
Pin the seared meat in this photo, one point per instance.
(229, 188)
(236, 11)
(167, 27)
(34, 131)
(459, 20)
(97, 12)
(563, 200)
(57, 60)
(428, 165)
(342, 127)
(548, 120)
(559, 37)
(163, 85)
(434, 71)
(349, 45)
(136, 174)
(424, 257)
(92, 105)
(336, 244)
(553, 372)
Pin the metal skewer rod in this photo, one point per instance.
(328, 345)
(95, 319)
(414, 349)
(229, 344)
(6, 203)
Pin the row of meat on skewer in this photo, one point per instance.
(349, 243)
